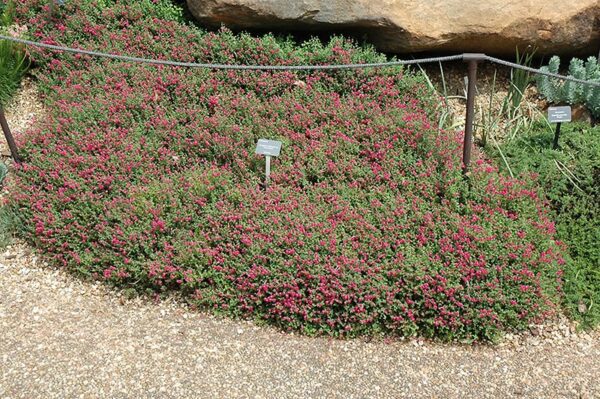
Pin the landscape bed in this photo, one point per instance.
(146, 177)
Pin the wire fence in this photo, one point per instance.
(472, 58)
(458, 57)
(229, 66)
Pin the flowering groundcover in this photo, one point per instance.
(146, 177)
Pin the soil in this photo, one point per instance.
(493, 83)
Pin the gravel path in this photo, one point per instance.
(22, 112)
(62, 338)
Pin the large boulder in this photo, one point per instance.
(400, 26)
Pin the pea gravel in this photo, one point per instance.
(61, 337)
(65, 338)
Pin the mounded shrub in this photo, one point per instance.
(570, 179)
(146, 177)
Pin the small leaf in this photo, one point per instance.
(3, 172)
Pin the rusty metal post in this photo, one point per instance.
(556, 136)
(9, 137)
(472, 60)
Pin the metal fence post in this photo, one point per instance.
(472, 60)
(9, 137)
(51, 8)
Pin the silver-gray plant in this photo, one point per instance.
(556, 91)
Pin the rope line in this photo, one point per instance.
(540, 72)
(230, 66)
(292, 67)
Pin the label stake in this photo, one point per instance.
(268, 148)
(558, 115)
(556, 135)
(267, 170)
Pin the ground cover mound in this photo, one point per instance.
(146, 177)
(570, 179)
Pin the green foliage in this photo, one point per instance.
(13, 59)
(11, 224)
(7, 12)
(13, 66)
(548, 87)
(162, 9)
(557, 91)
(592, 94)
(570, 178)
(574, 91)
(3, 172)
(519, 80)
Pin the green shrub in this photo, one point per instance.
(3, 172)
(557, 91)
(519, 80)
(165, 10)
(13, 59)
(11, 224)
(570, 178)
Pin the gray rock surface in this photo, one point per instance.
(491, 26)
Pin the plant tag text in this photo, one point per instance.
(268, 147)
(559, 114)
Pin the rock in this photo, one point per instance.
(535, 330)
(580, 113)
(400, 26)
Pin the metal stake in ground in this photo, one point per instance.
(52, 6)
(9, 137)
(472, 59)
(556, 136)
(558, 115)
(268, 148)
(267, 170)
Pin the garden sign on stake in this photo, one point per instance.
(268, 148)
(558, 115)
